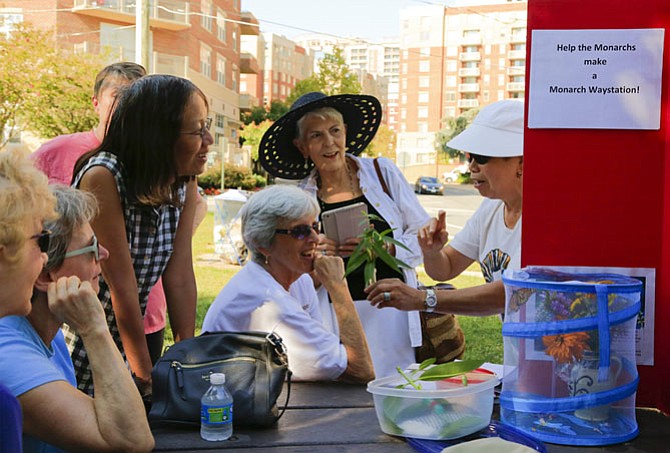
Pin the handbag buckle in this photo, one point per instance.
(276, 341)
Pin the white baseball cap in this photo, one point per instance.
(496, 131)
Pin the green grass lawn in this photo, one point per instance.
(483, 334)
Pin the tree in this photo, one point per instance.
(260, 113)
(43, 88)
(333, 77)
(383, 144)
(454, 127)
(252, 134)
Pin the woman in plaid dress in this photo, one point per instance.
(143, 176)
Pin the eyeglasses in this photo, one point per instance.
(203, 130)
(481, 160)
(93, 248)
(42, 239)
(301, 231)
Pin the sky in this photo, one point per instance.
(372, 20)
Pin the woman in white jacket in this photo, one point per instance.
(317, 142)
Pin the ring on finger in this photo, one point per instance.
(387, 296)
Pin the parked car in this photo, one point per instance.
(454, 174)
(428, 184)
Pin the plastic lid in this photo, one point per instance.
(217, 378)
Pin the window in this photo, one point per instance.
(206, 18)
(221, 25)
(424, 66)
(423, 97)
(221, 71)
(450, 81)
(422, 112)
(234, 43)
(236, 71)
(424, 81)
(425, 51)
(205, 61)
(220, 121)
(422, 127)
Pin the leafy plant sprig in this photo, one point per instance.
(437, 372)
(374, 245)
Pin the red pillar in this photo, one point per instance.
(602, 197)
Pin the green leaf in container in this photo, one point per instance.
(451, 369)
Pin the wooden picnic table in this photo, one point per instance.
(334, 417)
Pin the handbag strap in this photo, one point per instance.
(381, 178)
(288, 393)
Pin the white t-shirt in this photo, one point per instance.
(254, 301)
(485, 238)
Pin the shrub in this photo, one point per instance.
(210, 179)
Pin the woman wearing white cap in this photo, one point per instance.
(493, 145)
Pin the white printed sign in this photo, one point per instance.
(596, 79)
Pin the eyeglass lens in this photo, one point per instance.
(42, 240)
(93, 248)
(301, 231)
(481, 160)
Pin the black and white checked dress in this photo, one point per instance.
(150, 232)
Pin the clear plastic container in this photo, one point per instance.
(444, 409)
(216, 410)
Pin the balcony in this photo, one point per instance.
(473, 40)
(163, 14)
(516, 70)
(518, 37)
(469, 72)
(470, 56)
(247, 102)
(250, 24)
(248, 64)
(516, 54)
(468, 103)
(468, 87)
(516, 86)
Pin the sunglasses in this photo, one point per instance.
(42, 239)
(93, 248)
(481, 160)
(301, 231)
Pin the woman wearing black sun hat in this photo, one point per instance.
(318, 142)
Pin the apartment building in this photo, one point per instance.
(453, 59)
(284, 65)
(376, 64)
(199, 40)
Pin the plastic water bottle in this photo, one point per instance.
(216, 410)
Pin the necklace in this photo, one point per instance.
(352, 187)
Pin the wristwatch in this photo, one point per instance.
(431, 300)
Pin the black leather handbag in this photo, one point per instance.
(255, 365)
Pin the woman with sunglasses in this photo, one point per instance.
(274, 292)
(25, 203)
(493, 145)
(143, 175)
(65, 291)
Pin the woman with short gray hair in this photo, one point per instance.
(274, 292)
(65, 290)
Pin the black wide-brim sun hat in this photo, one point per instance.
(279, 156)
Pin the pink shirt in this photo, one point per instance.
(56, 158)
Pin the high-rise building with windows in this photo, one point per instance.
(453, 59)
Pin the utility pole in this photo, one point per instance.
(142, 33)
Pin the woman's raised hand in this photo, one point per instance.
(433, 236)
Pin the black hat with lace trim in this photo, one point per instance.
(279, 156)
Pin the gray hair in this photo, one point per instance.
(270, 209)
(75, 208)
(325, 113)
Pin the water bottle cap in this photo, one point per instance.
(217, 378)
